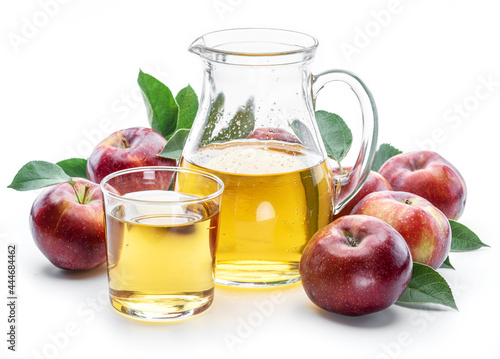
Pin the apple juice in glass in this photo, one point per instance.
(255, 129)
(161, 242)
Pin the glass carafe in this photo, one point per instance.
(256, 130)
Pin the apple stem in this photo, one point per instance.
(85, 192)
(407, 201)
(350, 239)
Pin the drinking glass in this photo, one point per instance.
(162, 227)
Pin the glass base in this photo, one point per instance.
(254, 274)
(161, 308)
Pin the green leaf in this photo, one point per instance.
(463, 239)
(38, 174)
(74, 167)
(240, 126)
(427, 286)
(188, 107)
(336, 135)
(384, 152)
(216, 109)
(174, 146)
(302, 131)
(160, 104)
(447, 264)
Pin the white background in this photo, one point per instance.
(68, 79)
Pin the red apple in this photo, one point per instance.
(355, 265)
(68, 225)
(132, 147)
(274, 133)
(375, 182)
(430, 176)
(424, 227)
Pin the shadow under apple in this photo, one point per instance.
(383, 318)
(54, 272)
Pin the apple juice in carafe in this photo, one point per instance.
(276, 196)
(255, 129)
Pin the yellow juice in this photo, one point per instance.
(276, 196)
(161, 259)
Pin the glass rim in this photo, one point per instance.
(173, 169)
(215, 43)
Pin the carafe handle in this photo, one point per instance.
(364, 161)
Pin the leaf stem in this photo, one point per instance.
(73, 184)
(84, 200)
(341, 170)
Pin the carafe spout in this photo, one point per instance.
(198, 46)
